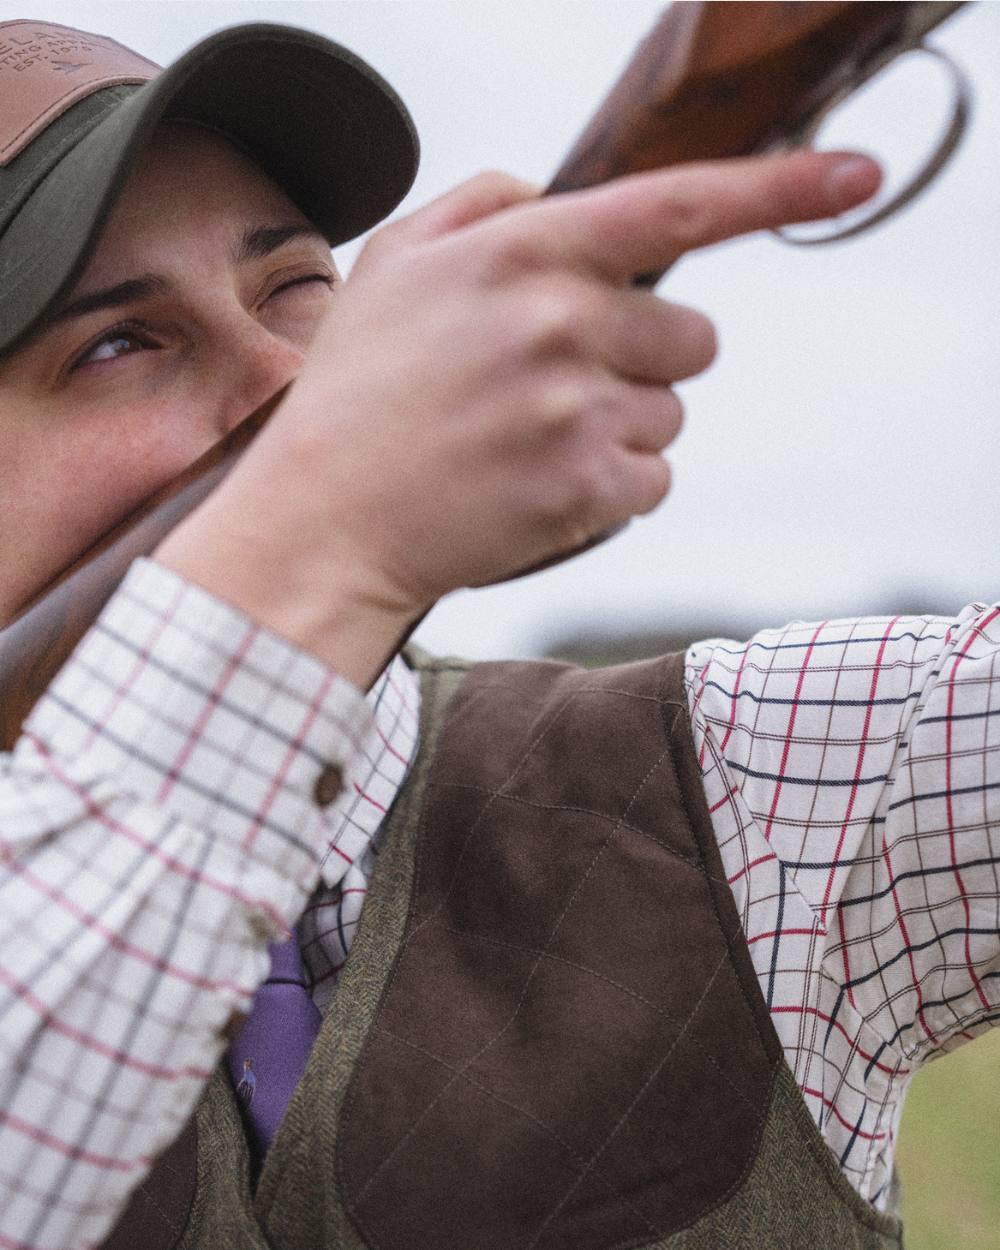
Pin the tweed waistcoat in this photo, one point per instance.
(548, 1034)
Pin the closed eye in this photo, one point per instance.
(327, 279)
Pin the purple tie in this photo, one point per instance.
(269, 1053)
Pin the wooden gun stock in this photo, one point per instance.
(710, 80)
(735, 79)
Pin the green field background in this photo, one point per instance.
(949, 1151)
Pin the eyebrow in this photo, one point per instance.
(254, 244)
(261, 241)
(127, 292)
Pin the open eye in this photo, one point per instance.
(120, 340)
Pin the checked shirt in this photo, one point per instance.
(852, 770)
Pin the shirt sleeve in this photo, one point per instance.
(157, 828)
(853, 772)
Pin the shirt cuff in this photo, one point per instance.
(184, 701)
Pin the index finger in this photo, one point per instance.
(646, 221)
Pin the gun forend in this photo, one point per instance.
(717, 80)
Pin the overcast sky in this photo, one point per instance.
(841, 455)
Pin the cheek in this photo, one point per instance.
(64, 487)
(95, 482)
(296, 315)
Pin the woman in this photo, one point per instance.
(485, 392)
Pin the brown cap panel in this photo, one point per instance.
(46, 68)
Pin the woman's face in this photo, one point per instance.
(197, 306)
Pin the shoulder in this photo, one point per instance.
(815, 679)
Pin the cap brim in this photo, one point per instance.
(312, 115)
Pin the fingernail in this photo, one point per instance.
(852, 180)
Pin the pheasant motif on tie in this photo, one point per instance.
(268, 1055)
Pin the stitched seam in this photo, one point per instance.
(430, 694)
(475, 825)
(70, 140)
(631, 1107)
(585, 811)
(524, 993)
(148, 1197)
(759, 1127)
(600, 976)
(737, 802)
(53, 111)
(896, 1053)
(626, 694)
(522, 1111)
(169, 1167)
(499, 793)
(727, 938)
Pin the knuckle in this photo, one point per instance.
(598, 484)
(510, 253)
(385, 241)
(561, 405)
(599, 491)
(557, 511)
(570, 535)
(685, 215)
(569, 499)
(557, 321)
(498, 185)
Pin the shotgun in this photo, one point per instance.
(710, 80)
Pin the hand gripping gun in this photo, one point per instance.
(710, 80)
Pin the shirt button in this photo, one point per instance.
(328, 785)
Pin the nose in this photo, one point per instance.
(256, 364)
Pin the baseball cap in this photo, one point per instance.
(76, 108)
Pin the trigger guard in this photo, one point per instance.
(961, 110)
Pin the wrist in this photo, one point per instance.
(335, 613)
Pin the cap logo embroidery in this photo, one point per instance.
(45, 68)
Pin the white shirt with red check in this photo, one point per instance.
(158, 826)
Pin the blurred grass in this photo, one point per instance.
(949, 1151)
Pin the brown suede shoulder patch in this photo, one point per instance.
(572, 1052)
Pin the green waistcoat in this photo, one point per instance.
(549, 1034)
